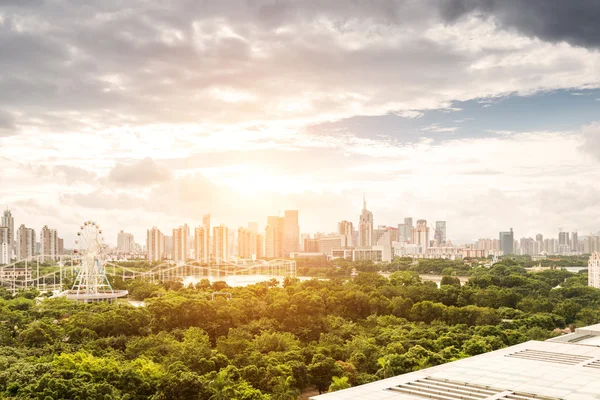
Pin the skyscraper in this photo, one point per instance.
(48, 244)
(440, 232)
(202, 245)
(507, 242)
(420, 234)
(274, 237)
(221, 243)
(155, 244)
(180, 243)
(408, 228)
(8, 221)
(346, 230)
(4, 246)
(574, 241)
(246, 243)
(125, 242)
(291, 232)
(564, 242)
(25, 243)
(365, 227)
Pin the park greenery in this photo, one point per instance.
(274, 340)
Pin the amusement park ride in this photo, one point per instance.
(90, 267)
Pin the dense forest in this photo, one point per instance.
(272, 340)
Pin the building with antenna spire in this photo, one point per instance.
(365, 226)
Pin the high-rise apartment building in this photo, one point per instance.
(25, 243)
(591, 244)
(564, 242)
(420, 234)
(440, 232)
(155, 244)
(8, 222)
(507, 242)
(5, 251)
(346, 230)
(594, 270)
(291, 233)
(274, 237)
(202, 245)
(365, 227)
(249, 244)
(574, 241)
(180, 244)
(125, 242)
(221, 243)
(408, 228)
(48, 244)
(260, 246)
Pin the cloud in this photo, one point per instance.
(591, 140)
(436, 128)
(144, 172)
(575, 22)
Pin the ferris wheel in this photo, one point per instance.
(91, 281)
(90, 242)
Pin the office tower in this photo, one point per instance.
(408, 228)
(48, 244)
(365, 227)
(594, 270)
(420, 234)
(180, 244)
(8, 221)
(303, 238)
(346, 230)
(125, 242)
(574, 241)
(327, 243)
(246, 247)
(274, 237)
(291, 232)
(4, 246)
(25, 243)
(61, 246)
(253, 227)
(260, 246)
(507, 244)
(221, 243)
(402, 232)
(440, 232)
(155, 244)
(202, 245)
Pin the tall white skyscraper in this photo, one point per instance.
(346, 230)
(48, 244)
(365, 227)
(155, 244)
(4, 246)
(180, 243)
(25, 243)
(594, 270)
(125, 242)
(202, 245)
(8, 222)
(221, 243)
(420, 234)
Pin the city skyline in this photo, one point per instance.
(432, 225)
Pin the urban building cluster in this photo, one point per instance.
(23, 244)
(281, 238)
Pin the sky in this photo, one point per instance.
(483, 113)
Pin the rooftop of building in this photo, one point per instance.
(566, 368)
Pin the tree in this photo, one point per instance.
(339, 383)
(322, 370)
(221, 386)
(285, 390)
